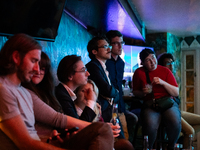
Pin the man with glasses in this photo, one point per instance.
(100, 51)
(115, 67)
(72, 73)
(167, 60)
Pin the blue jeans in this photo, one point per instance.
(171, 119)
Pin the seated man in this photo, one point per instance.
(19, 60)
(72, 74)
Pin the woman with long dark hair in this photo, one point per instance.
(43, 83)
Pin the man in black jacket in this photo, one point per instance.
(99, 51)
(72, 73)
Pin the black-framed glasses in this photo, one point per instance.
(84, 70)
(169, 63)
(106, 46)
(118, 43)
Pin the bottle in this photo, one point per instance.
(181, 146)
(146, 143)
(114, 120)
(190, 146)
(176, 146)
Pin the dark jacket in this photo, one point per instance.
(98, 75)
(116, 71)
(68, 105)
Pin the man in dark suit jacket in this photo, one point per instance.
(99, 51)
(72, 73)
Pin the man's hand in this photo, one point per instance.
(58, 138)
(116, 129)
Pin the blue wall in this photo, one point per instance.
(72, 38)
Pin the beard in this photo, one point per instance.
(22, 73)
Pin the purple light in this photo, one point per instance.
(118, 19)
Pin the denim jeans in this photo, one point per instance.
(171, 119)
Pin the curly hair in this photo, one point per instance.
(162, 58)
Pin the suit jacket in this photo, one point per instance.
(98, 75)
(68, 105)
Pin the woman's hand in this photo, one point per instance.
(145, 91)
(157, 80)
(90, 95)
(171, 89)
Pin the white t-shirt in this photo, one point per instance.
(16, 100)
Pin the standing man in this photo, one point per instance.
(19, 61)
(100, 51)
(115, 67)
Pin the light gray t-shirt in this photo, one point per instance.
(16, 100)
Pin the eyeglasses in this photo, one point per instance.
(84, 69)
(169, 63)
(118, 43)
(106, 46)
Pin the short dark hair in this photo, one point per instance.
(20, 42)
(145, 53)
(93, 45)
(112, 34)
(67, 67)
(163, 56)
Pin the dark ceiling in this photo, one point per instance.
(100, 16)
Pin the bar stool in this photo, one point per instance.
(161, 139)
